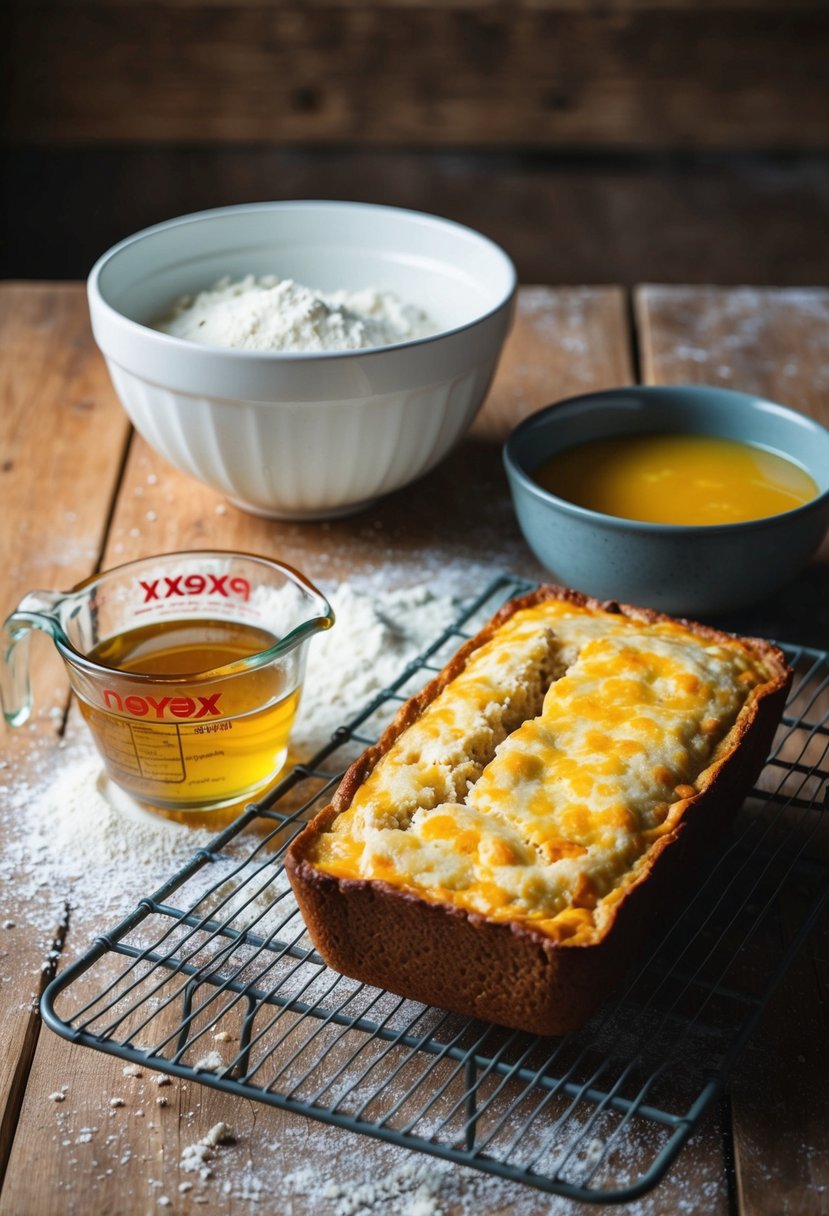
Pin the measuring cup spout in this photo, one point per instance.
(37, 610)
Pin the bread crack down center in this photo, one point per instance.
(539, 777)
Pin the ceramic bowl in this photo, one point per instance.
(686, 570)
(304, 435)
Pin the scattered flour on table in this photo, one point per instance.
(310, 1167)
(373, 639)
(326, 1170)
(272, 314)
(73, 838)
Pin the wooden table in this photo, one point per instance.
(80, 491)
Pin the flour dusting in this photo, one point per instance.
(373, 639)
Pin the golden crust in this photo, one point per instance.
(511, 972)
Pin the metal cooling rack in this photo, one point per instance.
(596, 1116)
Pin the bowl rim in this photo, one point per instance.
(516, 473)
(99, 302)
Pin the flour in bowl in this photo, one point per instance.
(279, 315)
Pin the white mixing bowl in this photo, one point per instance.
(304, 436)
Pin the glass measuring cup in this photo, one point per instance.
(188, 669)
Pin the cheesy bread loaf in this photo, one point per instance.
(531, 814)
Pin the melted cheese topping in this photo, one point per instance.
(533, 785)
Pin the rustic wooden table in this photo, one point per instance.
(80, 491)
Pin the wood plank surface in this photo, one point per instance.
(531, 75)
(771, 342)
(456, 517)
(780, 1091)
(83, 1154)
(775, 344)
(62, 444)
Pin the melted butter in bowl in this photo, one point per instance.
(690, 499)
(677, 479)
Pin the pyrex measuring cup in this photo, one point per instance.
(188, 668)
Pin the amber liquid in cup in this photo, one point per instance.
(177, 745)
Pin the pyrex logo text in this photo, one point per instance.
(194, 584)
(179, 707)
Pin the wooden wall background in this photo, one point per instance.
(599, 140)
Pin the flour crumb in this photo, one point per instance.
(163, 1079)
(193, 1158)
(221, 1036)
(211, 1062)
(132, 1070)
(220, 1133)
(114, 1102)
(196, 1158)
(57, 1096)
(415, 1183)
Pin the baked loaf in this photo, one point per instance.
(538, 808)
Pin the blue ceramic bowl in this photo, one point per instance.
(687, 570)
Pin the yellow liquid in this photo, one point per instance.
(676, 479)
(180, 744)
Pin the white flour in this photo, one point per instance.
(372, 640)
(316, 1168)
(271, 314)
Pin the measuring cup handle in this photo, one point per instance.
(35, 611)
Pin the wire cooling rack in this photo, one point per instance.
(598, 1115)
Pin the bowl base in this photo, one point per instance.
(300, 516)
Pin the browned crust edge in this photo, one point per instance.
(509, 972)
